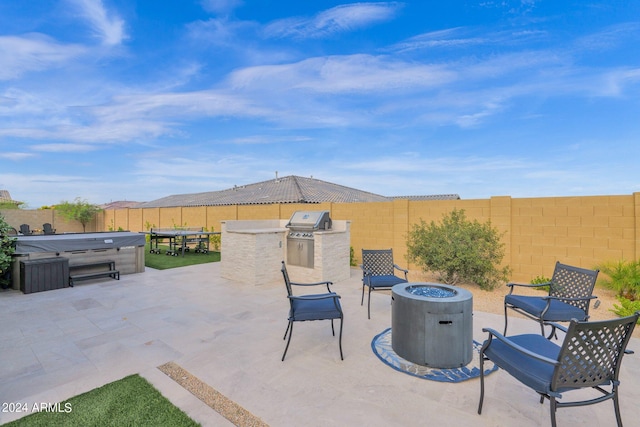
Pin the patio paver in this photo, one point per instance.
(61, 343)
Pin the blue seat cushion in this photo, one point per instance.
(533, 373)
(558, 311)
(315, 309)
(385, 281)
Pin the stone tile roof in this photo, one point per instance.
(431, 197)
(288, 189)
(121, 204)
(5, 197)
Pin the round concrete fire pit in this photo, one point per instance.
(431, 324)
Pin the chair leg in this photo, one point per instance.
(290, 329)
(333, 331)
(340, 337)
(542, 329)
(369, 304)
(481, 384)
(505, 320)
(552, 334)
(616, 405)
(362, 299)
(553, 408)
(287, 331)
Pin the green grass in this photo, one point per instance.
(131, 401)
(163, 261)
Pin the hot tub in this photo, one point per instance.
(432, 324)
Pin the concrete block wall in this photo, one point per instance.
(583, 231)
(37, 217)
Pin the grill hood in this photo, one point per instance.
(310, 220)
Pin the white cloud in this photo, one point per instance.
(451, 37)
(221, 32)
(339, 74)
(338, 19)
(109, 27)
(15, 156)
(616, 81)
(33, 52)
(64, 148)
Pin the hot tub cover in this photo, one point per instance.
(77, 241)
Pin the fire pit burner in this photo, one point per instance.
(431, 291)
(431, 324)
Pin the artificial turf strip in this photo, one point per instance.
(131, 401)
(163, 261)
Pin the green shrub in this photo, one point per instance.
(6, 250)
(541, 280)
(352, 257)
(214, 239)
(623, 277)
(459, 250)
(626, 307)
(79, 210)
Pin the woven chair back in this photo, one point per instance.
(573, 282)
(591, 353)
(379, 262)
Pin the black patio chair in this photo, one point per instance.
(48, 229)
(325, 306)
(378, 273)
(25, 229)
(589, 358)
(569, 297)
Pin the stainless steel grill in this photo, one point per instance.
(300, 240)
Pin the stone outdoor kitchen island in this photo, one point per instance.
(253, 251)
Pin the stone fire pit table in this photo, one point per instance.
(432, 324)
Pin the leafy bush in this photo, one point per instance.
(623, 277)
(6, 250)
(541, 280)
(79, 210)
(626, 307)
(353, 262)
(214, 239)
(459, 250)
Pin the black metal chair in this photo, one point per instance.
(589, 358)
(48, 229)
(378, 272)
(325, 306)
(25, 230)
(569, 297)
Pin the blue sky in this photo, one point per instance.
(135, 100)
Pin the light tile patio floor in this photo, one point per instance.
(57, 344)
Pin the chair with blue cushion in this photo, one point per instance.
(324, 306)
(569, 297)
(378, 273)
(589, 358)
